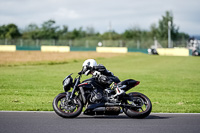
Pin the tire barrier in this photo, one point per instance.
(55, 48)
(112, 49)
(173, 51)
(7, 48)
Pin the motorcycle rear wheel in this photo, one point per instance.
(66, 109)
(138, 112)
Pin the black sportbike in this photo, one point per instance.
(99, 100)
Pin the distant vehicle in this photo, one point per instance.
(196, 53)
(152, 51)
(194, 45)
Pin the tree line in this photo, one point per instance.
(49, 30)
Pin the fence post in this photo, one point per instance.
(155, 43)
(172, 44)
(37, 42)
(21, 42)
(6, 41)
(87, 43)
(121, 43)
(70, 42)
(54, 41)
(138, 44)
(104, 43)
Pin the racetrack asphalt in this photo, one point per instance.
(49, 122)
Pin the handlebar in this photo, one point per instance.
(80, 73)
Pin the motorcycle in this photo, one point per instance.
(99, 100)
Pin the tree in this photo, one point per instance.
(153, 30)
(12, 31)
(90, 31)
(76, 34)
(3, 32)
(110, 35)
(183, 36)
(133, 33)
(64, 30)
(161, 31)
(48, 30)
(31, 32)
(9, 31)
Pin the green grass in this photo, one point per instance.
(172, 83)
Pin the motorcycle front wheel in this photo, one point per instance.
(67, 108)
(140, 105)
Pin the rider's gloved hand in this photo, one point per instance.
(79, 73)
(96, 73)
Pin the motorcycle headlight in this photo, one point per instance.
(67, 84)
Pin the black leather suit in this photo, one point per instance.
(106, 78)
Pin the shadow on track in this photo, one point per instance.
(157, 117)
(120, 117)
(103, 117)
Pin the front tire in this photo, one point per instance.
(144, 105)
(66, 108)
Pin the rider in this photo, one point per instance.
(102, 75)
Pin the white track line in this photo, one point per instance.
(53, 112)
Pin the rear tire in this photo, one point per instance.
(141, 112)
(67, 109)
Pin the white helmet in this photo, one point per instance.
(88, 65)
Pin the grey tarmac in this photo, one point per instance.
(49, 122)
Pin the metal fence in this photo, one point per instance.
(142, 44)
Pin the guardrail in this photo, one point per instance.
(161, 51)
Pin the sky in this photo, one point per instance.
(102, 15)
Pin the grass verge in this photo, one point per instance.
(172, 83)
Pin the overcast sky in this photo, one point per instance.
(121, 14)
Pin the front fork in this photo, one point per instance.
(74, 88)
(68, 94)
